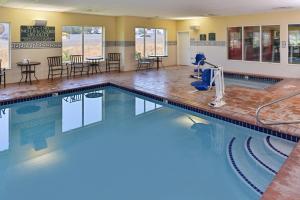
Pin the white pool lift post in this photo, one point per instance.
(217, 77)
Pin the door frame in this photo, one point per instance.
(189, 46)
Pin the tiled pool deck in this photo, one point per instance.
(173, 83)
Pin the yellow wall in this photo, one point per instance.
(128, 24)
(116, 28)
(18, 17)
(219, 25)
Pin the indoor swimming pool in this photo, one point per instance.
(254, 84)
(111, 144)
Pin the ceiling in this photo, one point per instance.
(176, 9)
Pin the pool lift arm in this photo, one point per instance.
(217, 77)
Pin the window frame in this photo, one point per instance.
(288, 43)
(9, 45)
(260, 52)
(82, 38)
(242, 43)
(260, 43)
(155, 38)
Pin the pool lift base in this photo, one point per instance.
(217, 79)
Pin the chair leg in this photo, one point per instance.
(49, 73)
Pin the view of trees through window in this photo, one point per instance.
(4, 45)
(86, 41)
(150, 41)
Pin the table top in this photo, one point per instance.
(28, 64)
(154, 56)
(94, 58)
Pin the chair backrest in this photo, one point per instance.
(0, 64)
(206, 76)
(54, 61)
(200, 59)
(113, 56)
(76, 59)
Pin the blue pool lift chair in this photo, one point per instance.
(199, 61)
(205, 83)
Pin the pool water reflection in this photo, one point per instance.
(110, 144)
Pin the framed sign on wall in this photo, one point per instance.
(202, 37)
(37, 33)
(212, 36)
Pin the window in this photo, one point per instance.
(294, 44)
(4, 131)
(150, 41)
(252, 43)
(142, 106)
(270, 43)
(235, 51)
(82, 109)
(5, 45)
(86, 41)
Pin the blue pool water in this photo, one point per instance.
(255, 84)
(110, 144)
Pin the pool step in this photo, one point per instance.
(263, 156)
(256, 178)
(278, 146)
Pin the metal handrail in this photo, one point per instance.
(274, 102)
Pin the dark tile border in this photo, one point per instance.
(161, 99)
(236, 168)
(257, 159)
(276, 150)
(252, 77)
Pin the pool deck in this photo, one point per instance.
(174, 83)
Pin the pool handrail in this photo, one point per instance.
(274, 102)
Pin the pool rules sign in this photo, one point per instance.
(37, 33)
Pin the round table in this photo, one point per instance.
(158, 57)
(28, 68)
(94, 63)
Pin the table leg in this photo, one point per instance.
(29, 75)
(26, 74)
(21, 75)
(157, 62)
(35, 75)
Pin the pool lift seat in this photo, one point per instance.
(212, 75)
(199, 61)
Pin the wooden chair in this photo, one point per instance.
(2, 75)
(143, 62)
(55, 66)
(77, 64)
(113, 60)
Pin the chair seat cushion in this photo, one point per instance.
(202, 87)
(145, 62)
